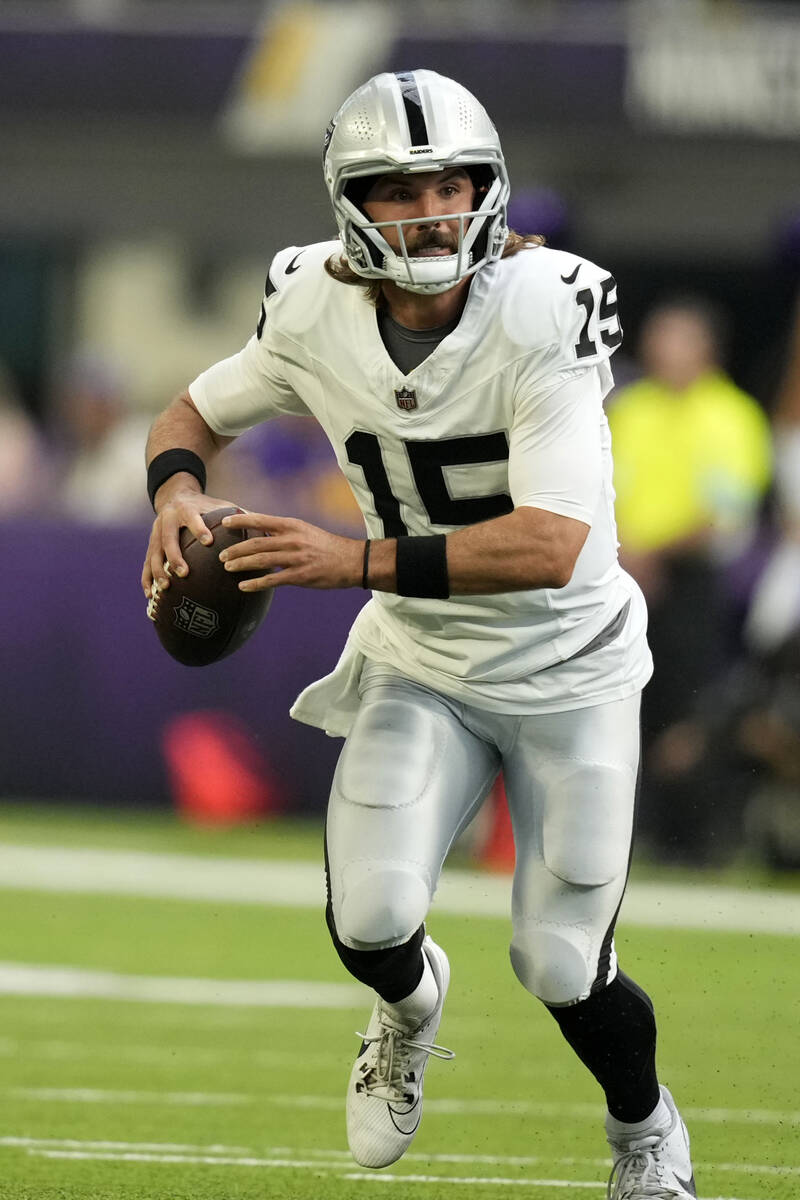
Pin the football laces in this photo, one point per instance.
(152, 603)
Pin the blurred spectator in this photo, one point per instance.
(102, 444)
(25, 470)
(692, 460)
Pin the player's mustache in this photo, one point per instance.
(434, 238)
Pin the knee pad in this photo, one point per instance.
(382, 903)
(551, 961)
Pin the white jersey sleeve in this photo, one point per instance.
(584, 307)
(555, 457)
(249, 387)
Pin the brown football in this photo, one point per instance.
(204, 616)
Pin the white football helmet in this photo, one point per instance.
(415, 121)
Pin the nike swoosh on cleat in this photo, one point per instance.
(294, 265)
(687, 1185)
(394, 1114)
(572, 276)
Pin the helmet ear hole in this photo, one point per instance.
(482, 177)
(356, 190)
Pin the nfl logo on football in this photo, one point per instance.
(195, 619)
(406, 398)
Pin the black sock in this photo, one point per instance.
(613, 1033)
(393, 973)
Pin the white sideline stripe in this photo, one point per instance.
(358, 1177)
(30, 979)
(109, 1096)
(201, 1159)
(344, 1157)
(302, 885)
(27, 1143)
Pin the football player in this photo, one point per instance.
(459, 370)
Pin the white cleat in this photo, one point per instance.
(657, 1167)
(384, 1095)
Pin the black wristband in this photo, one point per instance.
(365, 568)
(171, 462)
(422, 567)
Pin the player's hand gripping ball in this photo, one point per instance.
(204, 616)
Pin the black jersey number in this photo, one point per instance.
(607, 322)
(428, 460)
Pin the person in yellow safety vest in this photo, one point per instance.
(692, 461)
(692, 451)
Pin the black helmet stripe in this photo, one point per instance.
(417, 129)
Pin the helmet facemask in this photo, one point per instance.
(478, 232)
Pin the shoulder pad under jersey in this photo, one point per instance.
(557, 300)
(294, 267)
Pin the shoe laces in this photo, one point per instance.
(388, 1077)
(639, 1174)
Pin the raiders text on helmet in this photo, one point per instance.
(415, 121)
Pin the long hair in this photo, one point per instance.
(339, 268)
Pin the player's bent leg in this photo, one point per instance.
(613, 1033)
(409, 779)
(384, 1092)
(572, 805)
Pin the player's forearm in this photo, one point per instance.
(528, 548)
(180, 426)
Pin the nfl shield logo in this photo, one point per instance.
(406, 398)
(195, 619)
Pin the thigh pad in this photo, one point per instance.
(587, 821)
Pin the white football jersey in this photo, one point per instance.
(506, 411)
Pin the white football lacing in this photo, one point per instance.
(152, 603)
(389, 1077)
(639, 1174)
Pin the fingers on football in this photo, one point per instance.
(261, 521)
(195, 524)
(264, 582)
(256, 562)
(252, 548)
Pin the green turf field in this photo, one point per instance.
(105, 1099)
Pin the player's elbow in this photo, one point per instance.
(556, 543)
(562, 571)
(558, 569)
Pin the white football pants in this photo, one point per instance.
(414, 771)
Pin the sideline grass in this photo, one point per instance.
(268, 1083)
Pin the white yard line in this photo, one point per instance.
(494, 1181)
(213, 1152)
(301, 884)
(30, 979)
(130, 1096)
(291, 1164)
(30, 1143)
(184, 1159)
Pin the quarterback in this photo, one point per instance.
(459, 371)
